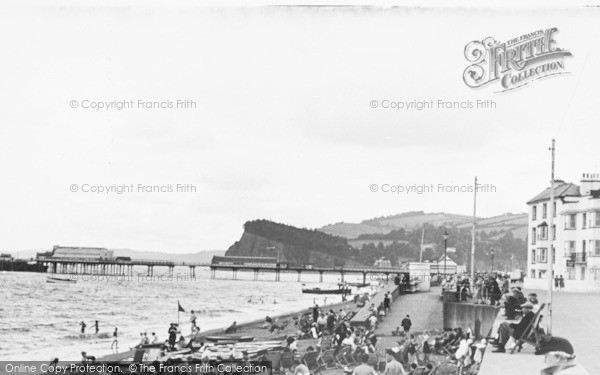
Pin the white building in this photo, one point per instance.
(383, 263)
(575, 234)
(438, 266)
(82, 252)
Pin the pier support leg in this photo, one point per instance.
(299, 276)
(234, 274)
(255, 274)
(277, 275)
(320, 276)
(342, 274)
(364, 277)
(213, 273)
(193, 272)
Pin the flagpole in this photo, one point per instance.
(549, 253)
(473, 234)
(422, 238)
(178, 311)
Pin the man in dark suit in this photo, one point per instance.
(507, 329)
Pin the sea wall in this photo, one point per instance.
(479, 318)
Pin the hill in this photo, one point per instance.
(293, 245)
(494, 226)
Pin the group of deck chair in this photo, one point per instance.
(532, 334)
(326, 359)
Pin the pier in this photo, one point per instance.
(92, 266)
(277, 269)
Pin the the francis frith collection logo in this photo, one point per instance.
(515, 63)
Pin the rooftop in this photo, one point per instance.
(561, 190)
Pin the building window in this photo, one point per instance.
(554, 210)
(533, 213)
(583, 246)
(571, 222)
(533, 274)
(553, 254)
(533, 256)
(584, 221)
(543, 233)
(544, 210)
(597, 217)
(597, 247)
(569, 247)
(553, 231)
(533, 235)
(542, 255)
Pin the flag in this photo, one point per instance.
(179, 307)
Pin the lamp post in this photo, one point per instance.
(445, 248)
(492, 253)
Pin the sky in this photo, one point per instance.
(283, 126)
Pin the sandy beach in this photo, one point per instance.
(256, 328)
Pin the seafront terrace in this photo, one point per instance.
(574, 318)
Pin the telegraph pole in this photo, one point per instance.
(473, 234)
(422, 238)
(550, 253)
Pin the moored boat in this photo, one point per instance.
(326, 291)
(58, 280)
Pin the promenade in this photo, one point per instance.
(574, 318)
(424, 308)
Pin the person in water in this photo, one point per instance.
(82, 324)
(96, 326)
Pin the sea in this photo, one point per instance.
(40, 320)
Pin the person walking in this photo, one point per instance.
(96, 327)
(556, 282)
(193, 318)
(115, 341)
(83, 325)
(561, 283)
(406, 324)
(387, 302)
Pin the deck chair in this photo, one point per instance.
(433, 370)
(346, 356)
(327, 360)
(341, 357)
(287, 360)
(275, 359)
(310, 360)
(531, 334)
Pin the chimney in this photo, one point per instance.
(589, 182)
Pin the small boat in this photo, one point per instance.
(58, 280)
(230, 338)
(327, 291)
(359, 285)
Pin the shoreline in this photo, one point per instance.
(254, 326)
